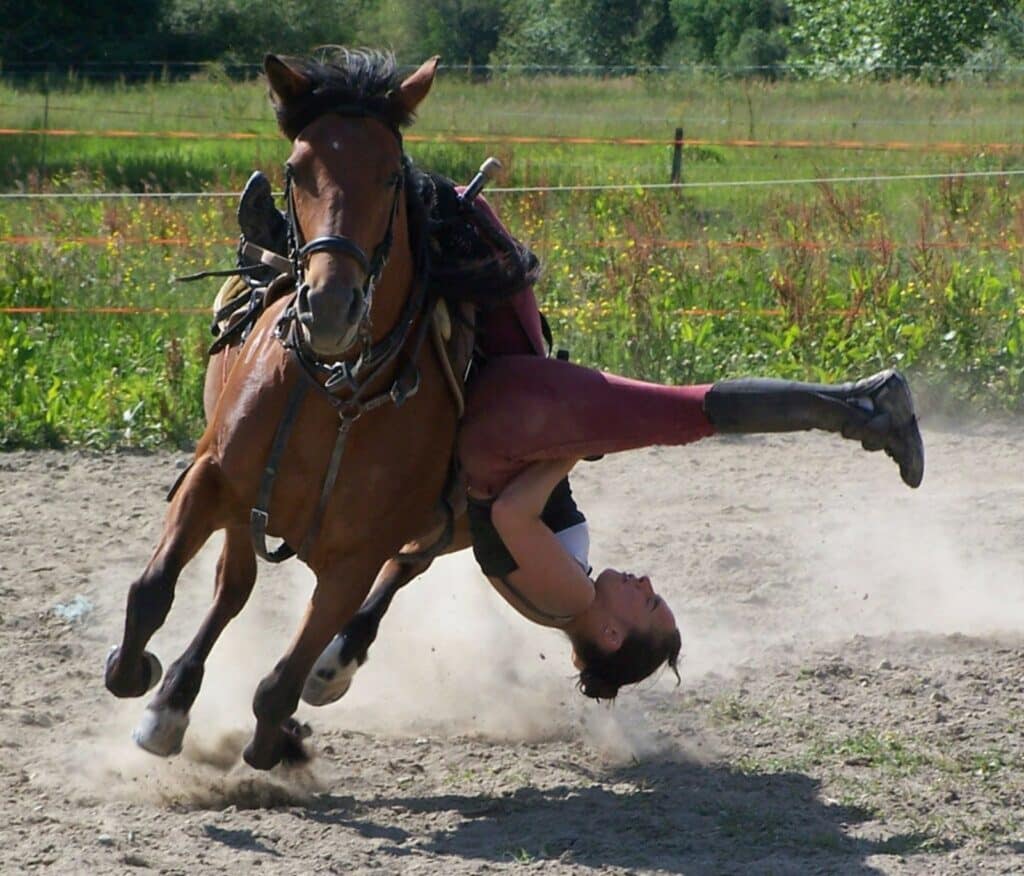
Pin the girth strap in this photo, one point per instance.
(344, 427)
(260, 515)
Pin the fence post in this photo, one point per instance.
(677, 157)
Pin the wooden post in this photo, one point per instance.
(677, 157)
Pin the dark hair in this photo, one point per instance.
(347, 77)
(639, 655)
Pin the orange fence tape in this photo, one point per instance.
(190, 311)
(700, 312)
(622, 243)
(29, 239)
(109, 311)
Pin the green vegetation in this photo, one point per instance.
(817, 281)
(765, 38)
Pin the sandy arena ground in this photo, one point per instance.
(852, 695)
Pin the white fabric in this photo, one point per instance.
(576, 540)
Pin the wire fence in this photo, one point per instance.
(561, 115)
(610, 187)
(506, 139)
(167, 68)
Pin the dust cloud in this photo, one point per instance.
(807, 567)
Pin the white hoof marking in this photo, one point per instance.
(161, 731)
(327, 681)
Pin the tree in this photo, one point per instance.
(539, 32)
(245, 30)
(74, 33)
(582, 32)
(898, 37)
(731, 33)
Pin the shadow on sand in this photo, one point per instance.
(672, 816)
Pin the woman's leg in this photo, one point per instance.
(512, 328)
(523, 408)
(878, 411)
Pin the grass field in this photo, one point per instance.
(818, 280)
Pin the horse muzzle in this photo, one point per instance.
(330, 318)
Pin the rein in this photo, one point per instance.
(353, 379)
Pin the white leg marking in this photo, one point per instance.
(328, 682)
(161, 731)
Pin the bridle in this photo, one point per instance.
(345, 385)
(372, 267)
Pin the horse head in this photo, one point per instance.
(344, 183)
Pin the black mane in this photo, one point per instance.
(360, 78)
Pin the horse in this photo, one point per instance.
(330, 427)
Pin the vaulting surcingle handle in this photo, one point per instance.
(484, 175)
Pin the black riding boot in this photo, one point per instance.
(261, 223)
(878, 411)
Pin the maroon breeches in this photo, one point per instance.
(524, 408)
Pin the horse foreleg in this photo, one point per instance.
(131, 670)
(338, 593)
(336, 667)
(165, 720)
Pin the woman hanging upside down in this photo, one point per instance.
(529, 419)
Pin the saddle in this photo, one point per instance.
(471, 263)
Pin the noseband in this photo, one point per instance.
(372, 268)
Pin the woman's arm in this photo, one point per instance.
(528, 492)
(548, 575)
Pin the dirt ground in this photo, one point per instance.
(852, 693)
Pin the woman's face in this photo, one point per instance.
(632, 603)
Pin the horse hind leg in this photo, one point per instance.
(130, 669)
(163, 724)
(335, 669)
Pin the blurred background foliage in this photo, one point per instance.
(930, 38)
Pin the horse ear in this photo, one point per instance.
(286, 82)
(412, 91)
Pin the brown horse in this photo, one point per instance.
(339, 361)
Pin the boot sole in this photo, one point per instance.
(911, 460)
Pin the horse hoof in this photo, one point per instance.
(161, 731)
(328, 681)
(156, 671)
(252, 756)
(152, 671)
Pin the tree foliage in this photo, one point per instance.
(87, 30)
(731, 33)
(897, 37)
(581, 32)
(903, 37)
